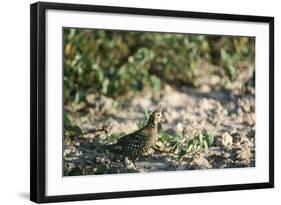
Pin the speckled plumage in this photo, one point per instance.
(139, 142)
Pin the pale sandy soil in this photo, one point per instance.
(228, 113)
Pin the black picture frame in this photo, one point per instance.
(38, 100)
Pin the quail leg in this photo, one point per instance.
(129, 164)
(134, 163)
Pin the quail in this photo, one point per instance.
(140, 142)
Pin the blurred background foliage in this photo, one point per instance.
(114, 63)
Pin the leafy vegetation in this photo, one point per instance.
(186, 145)
(114, 63)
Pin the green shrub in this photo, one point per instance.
(114, 63)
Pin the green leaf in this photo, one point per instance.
(66, 120)
(209, 137)
(201, 138)
(189, 147)
(165, 138)
(147, 114)
(113, 137)
(72, 130)
(205, 143)
(101, 169)
(76, 171)
(141, 124)
(105, 84)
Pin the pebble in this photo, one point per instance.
(226, 139)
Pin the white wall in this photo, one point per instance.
(14, 100)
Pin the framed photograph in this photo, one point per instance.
(129, 102)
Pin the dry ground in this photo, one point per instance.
(228, 113)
